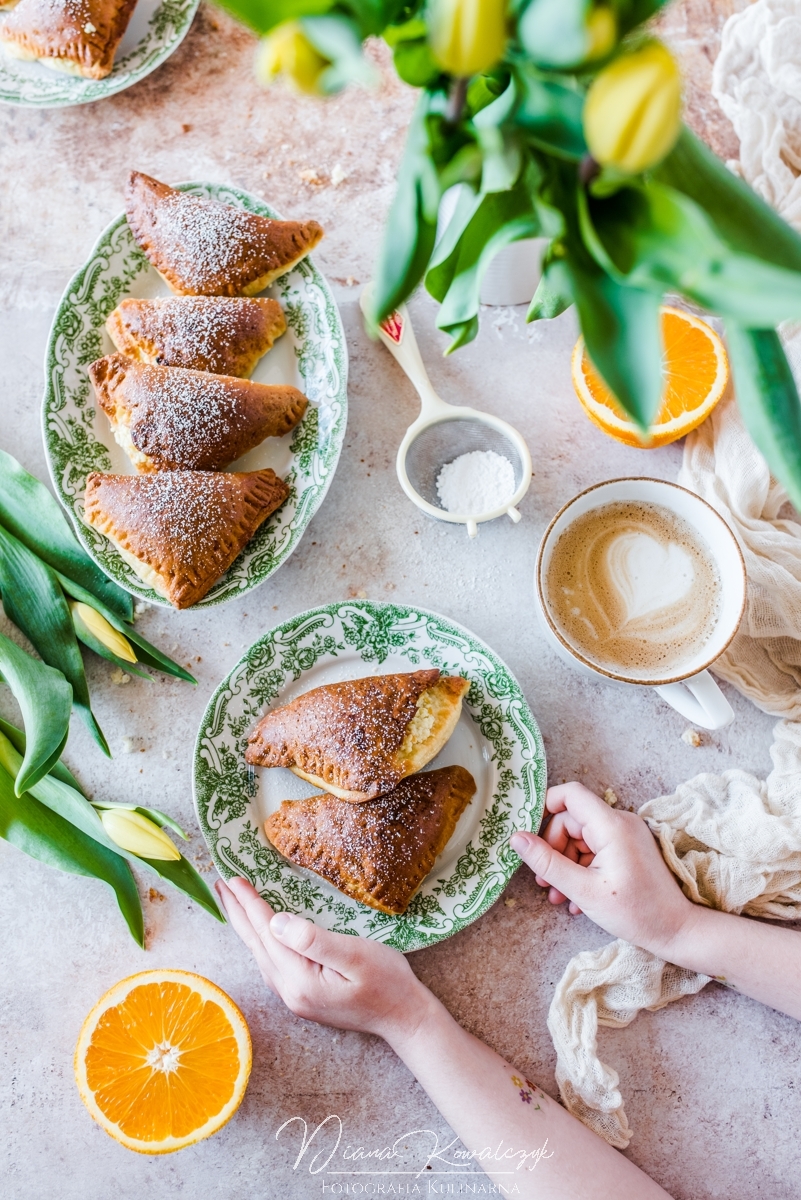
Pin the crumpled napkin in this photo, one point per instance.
(733, 841)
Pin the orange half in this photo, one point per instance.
(163, 1060)
(695, 370)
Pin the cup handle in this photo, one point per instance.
(700, 700)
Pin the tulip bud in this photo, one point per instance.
(138, 835)
(83, 615)
(601, 32)
(289, 53)
(632, 114)
(467, 36)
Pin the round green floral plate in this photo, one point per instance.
(497, 740)
(156, 29)
(311, 355)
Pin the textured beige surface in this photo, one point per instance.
(713, 1082)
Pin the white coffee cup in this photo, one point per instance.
(691, 691)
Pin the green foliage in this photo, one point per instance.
(619, 243)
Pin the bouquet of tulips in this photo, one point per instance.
(563, 120)
(58, 598)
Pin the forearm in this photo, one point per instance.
(517, 1134)
(758, 959)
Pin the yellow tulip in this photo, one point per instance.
(288, 53)
(99, 627)
(601, 32)
(467, 36)
(632, 114)
(137, 834)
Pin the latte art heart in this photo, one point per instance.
(647, 574)
(634, 589)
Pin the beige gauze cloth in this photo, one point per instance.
(732, 841)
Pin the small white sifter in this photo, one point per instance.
(443, 432)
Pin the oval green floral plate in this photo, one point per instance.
(156, 29)
(497, 740)
(312, 355)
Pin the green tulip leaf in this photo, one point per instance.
(264, 15)
(741, 218)
(42, 834)
(554, 32)
(30, 513)
(34, 601)
(45, 699)
(551, 115)
(181, 874)
(622, 335)
(654, 237)
(767, 398)
(58, 770)
(457, 270)
(338, 39)
(146, 652)
(553, 295)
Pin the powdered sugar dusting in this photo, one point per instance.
(476, 483)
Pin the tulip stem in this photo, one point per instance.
(588, 170)
(456, 101)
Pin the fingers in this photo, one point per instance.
(586, 816)
(238, 918)
(258, 911)
(567, 877)
(336, 951)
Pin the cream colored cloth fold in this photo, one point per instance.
(733, 841)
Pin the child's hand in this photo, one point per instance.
(610, 867)
(348, 982)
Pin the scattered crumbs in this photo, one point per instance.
(351, 282)
(226, 643)
(338, 175)
(692, 737)
(186, 128)
(139, 608)
(119, 676)
(362, 594)
(610, 797)
(127, 745)
(165, 754)
(155, 897)
(198, 659)
(510, 903)
(141, 749)
(311, 177)
(285, 145)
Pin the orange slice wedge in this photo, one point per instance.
(695, 370)
(163, 1060)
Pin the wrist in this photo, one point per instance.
(686, 947)
(422, 1014)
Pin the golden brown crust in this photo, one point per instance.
(380, 852)
(225, 335)
(187, 527)
(345, 736)
(82, 34)
(179, 420)
(204, 248)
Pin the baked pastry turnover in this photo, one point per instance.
(204, 248)
(222, 334)
(181, 530)
(379, 852)
(168, 418)
(360, 738)
(77, 36)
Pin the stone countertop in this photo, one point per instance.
(710, 1082)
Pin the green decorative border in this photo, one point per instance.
(166, 29)
(71, 423)
(224, 784)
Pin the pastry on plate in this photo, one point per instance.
(171, 419)
(77, 36)
(225, 335)
(201, 247)
(360, 738)
(381, 851)
(181, 530)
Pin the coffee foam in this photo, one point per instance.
(634, 589)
